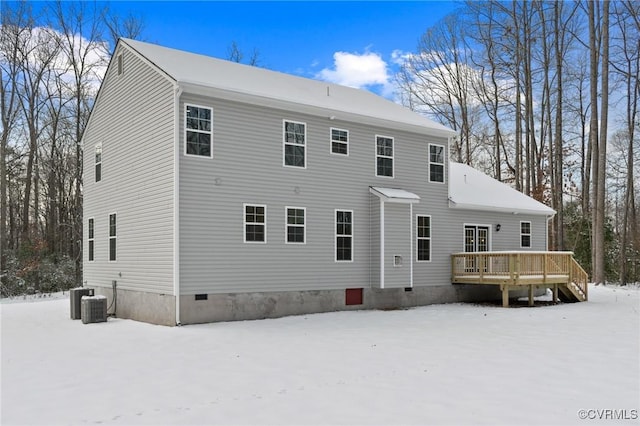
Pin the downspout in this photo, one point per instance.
(381, 243)
(176, 198)
(411, 244)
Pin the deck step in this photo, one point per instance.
(570, 293)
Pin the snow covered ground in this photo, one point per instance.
(441, 364)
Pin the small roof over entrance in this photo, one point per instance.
(394, 195)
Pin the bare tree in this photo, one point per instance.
(235, 54)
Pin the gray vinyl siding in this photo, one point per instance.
(133, 120)
(248, 167)
(397, 242)
(447, 236)
(374, 232)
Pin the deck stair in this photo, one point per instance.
(558, 271)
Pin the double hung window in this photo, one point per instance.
(198, 131)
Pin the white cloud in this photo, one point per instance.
(356, 70)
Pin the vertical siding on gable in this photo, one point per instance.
(133, 120)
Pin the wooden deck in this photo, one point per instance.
(556, 270)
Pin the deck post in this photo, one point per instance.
(530, 294)
(505, 295)
(555, 293)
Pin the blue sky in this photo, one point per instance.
(350, 43)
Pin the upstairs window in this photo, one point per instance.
(295, 139)
(525, 234)
(120, 64)
(423, 234)
(91, 239)
(98, 163)
(344, 235)
(339, 141)
(255, 224)
(384, 156)
(296, 231)
(436, 163)
(198, 131)
(112, 237)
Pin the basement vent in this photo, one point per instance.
(94, 309)
(201, 297)
(353, 296)
(408, 289)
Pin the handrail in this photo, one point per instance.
(512, 266)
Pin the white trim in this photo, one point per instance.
(98, 148)
(110, 237)
(381, 243)
(284, 143)
(245, 223)
(185, 130)
(530, 234)
(477, 225)
(411, 245)
(176, 200)
(286, 225)
(335, 236)
(424, 238)
(392, 157)
(91, 239)
(443, 164)
(331, 141)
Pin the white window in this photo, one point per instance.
(198, 131)
(436, 163)
(525, 234)
(112, 237)
(339, 141)
(384, 156)
(344, 235)
(295, 140)
(98, 163)
(255, 221)
(296, 225)
(423, 235)
(91, 247)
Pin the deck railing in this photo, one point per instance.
(557, 270)
(515, 267)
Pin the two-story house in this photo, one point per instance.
(218, 191)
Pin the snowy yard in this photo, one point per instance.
(441, 364)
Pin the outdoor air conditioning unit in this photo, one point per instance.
(94, 309)
(74, 296)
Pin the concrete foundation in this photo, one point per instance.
(160, 308)
(250, 306)
(140, 306)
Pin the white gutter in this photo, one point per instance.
(176, 199)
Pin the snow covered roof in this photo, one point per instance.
(473, 190)
(260, 86)
(394, 195)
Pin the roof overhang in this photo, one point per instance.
(201, 88)
(394, 195)
(512, 210)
